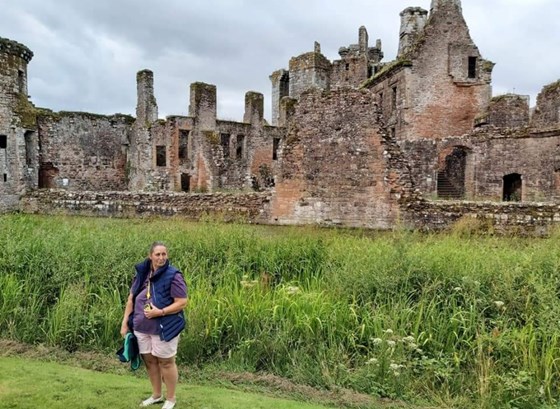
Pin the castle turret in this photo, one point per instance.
(413, 20)
(18, 145)
(308, 71)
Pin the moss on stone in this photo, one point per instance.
(487, 66)
(211, 137)
(555, 86)
(389, 67)
(26, 112)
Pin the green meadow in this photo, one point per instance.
(450, 320)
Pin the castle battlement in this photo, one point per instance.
(14, 48)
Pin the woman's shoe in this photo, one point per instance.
(168, 405)
(151, 400)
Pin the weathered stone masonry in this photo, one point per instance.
(353, 142)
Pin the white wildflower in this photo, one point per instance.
(388, 331)
(408, 339)
(391, 344)
(499, 304)
(457, 289)
(371, 361)
(292, 290)
(376, 341)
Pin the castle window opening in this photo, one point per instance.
(472, 67)
(369, 71)
(394, 98)
(161, 155)
(28, 137)
(185, 182)
(239, 149)
(5, 177)
(347, 67)
(3, 141)
(275, 144)
(21, 82)
(183, 146)
(513, 187)
(225, 144)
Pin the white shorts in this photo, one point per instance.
(152, 344)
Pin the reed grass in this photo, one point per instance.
(461, 320)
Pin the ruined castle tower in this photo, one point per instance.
(413, 20)
(357, 62)
(439, 82)
(18, 146)
(142, 154)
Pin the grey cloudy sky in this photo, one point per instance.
(87, 52)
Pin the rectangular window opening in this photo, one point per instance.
(161, 155)
(5, 177)
(224, 138)
(472, 67)
(3, 141)
(394, 98)
(183, 145)
(240, 146)
(275, 144)
(21, 81)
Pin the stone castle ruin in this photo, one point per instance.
(356, 142)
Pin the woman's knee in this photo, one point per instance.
(149, 360)
(166, 363)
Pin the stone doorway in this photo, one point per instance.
(185, 182)
(513, 188)
(451, 174)
(47, 174)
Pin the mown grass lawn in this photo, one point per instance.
(29, 384)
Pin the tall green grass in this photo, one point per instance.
(458, 320)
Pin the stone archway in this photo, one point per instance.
(453, 170)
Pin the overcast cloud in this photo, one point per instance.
(87, 52)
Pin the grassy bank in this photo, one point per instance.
(453, 319)
(56, 386)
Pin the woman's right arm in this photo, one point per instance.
(127, 312)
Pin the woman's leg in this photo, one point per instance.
(170, 375)
(153, 368)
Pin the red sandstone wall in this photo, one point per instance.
(333, 167)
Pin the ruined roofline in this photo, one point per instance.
(14, 48)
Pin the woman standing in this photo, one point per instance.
(154, 311)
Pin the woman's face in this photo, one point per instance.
(158, 257)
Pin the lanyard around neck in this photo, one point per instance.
(148, 294)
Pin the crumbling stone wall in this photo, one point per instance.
(249, 207)
(337, 177)
(535, 219)
(491, 154)
(82, 151)
(508, 111)
(547, 112)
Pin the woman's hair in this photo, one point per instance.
(155, 244)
